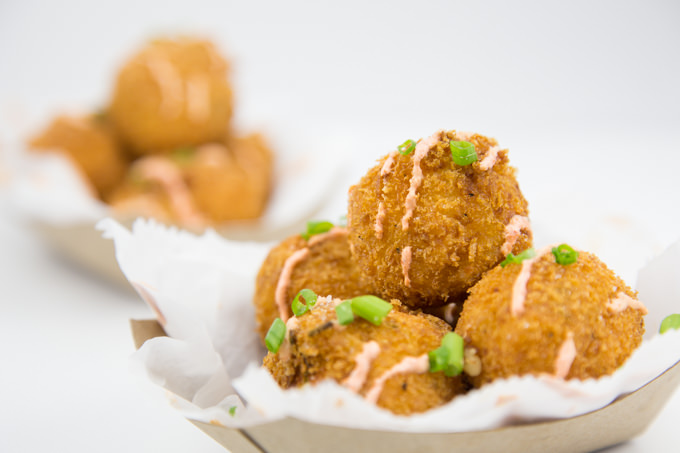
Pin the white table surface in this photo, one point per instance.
(584, 95)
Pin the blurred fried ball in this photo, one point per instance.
(172, 93)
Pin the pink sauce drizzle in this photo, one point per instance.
(363, 360)
(284, 281)
(513, 230)
(490, 158)
(169, 84)
(565, 357)
(624, 301)
(420, 364)
(519, 288)
(379, 219)
(166, 173)
(212, 155)
(406, 264)
(332, 233)
(422, 148)
(388, 164)
(464, 136)
(198, 98)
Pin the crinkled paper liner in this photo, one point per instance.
(201, 289)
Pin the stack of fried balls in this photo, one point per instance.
(433, 288)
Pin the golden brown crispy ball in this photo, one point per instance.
(91, 144)
(424, 229)
(571, 321)
(231, 182)
(322, 264)
(155, 186)
(317, 348)
(173, 93)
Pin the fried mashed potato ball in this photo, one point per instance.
(173, 93)
(539, 317)
(90, 143)
(359, 354)
(231, 182)
(323, 264)
(197, 187)
(424, 229)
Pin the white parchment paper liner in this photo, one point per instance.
(203, 288)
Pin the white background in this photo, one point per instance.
(584, 93)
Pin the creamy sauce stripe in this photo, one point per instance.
(284, 281)
(624, 301)
(422, 148)
(490, 158)
(169, 85)
(565, 357)
(408, 365)
(198, 98)
(169, 176)
(363, 360)
(519, 288)
(513, 230)
(379, 219)
(293, 260)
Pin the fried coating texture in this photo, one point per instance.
(455, 233)
(172, 93)
(328, 269)
(317, 348)
(232, 182)
(561, 300)
(91, 144)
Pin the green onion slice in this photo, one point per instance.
(182, 155)
(275, 335)
(463, 153)
(344, 313)
(564, 254)
(449, 356)
(516, 259)
(670, 322)
(232, 410)
(342, 221)
(406, 148)
(316, 228)
(373, 309)
(308, 296)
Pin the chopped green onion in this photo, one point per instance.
(316, 228)
(182, 156)
(275, 335)
(463, 153)
(342, 221)
(373, 309)
(232, 410)
(670, 322)
(449, 356)
(406, 148)
(516, 259)
(344, 313)
(308, 296)
(564, 254)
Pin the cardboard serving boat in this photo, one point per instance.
(623, 419)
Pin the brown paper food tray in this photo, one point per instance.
(621, 420)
